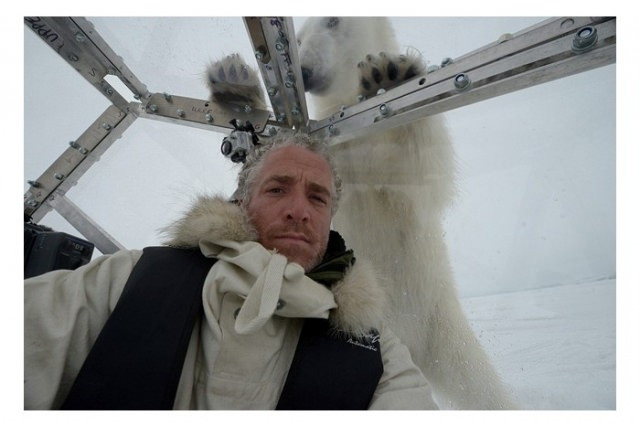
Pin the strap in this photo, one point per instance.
(137, 359)
(331, 370)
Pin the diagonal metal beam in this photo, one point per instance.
(76, 160)
(84, 224)
(79, 44)
(542, 53)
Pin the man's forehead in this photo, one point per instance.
(292, 160)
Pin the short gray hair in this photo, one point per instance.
(255, 160)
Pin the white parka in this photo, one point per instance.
(240, 351)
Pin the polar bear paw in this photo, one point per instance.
(385, 71)
(231, 80)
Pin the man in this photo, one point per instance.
(290, 319)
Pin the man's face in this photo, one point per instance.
(290, 204)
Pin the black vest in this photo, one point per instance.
(136, 362)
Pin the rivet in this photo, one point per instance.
(58, 176)
(106, 126)
(333, 130)
(168, 97)
(180, 113)
(32, 203)
(80, 38)
(272, 91)
(384, 109)
(247, 108)
(34, 183)
(209, 118)
(73, 57)
(153, 108)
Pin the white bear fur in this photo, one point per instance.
(398, 185)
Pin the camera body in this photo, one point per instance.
(46, 250)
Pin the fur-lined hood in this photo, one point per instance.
(359, 297)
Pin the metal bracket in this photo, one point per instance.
(539, 54)
(276, 50)
(76, 160)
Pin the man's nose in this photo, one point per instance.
(298, 208)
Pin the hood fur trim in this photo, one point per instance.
(361, 301)
(210, 218)
(360, 298)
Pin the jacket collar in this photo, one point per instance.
(360, 298)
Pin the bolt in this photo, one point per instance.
(80, 38)
(106, 126)
(180, 113)
(272, 91)
(208, 117)
(384, 109)
(168, 97)
(462, 81)
(108, 91)
(259, 55)
(272, 131)
(295, 111)
(34, 183)
(333, 130)
(32, 203)
(83, 151)
(281, 44)
(445, 62)
(585, 39)
(74, 145)
(432, 68)
(58, 176)
(281, 118)
(153, 108)
(247, 108)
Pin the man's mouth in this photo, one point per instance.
(294, 237)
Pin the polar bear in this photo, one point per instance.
(397, 186)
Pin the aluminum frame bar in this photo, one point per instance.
(276, 50)
(76, 160)
(198, 113)
(79, 44)
(84, 224)
(536, 55)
